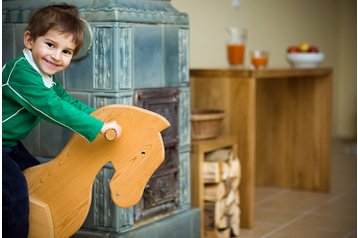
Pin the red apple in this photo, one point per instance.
(313, 49)
(293, 49)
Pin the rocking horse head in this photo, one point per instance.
(136, 154)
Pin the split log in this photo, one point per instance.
(214, 192)
(213, 214)
(219, 155)
(212, 172)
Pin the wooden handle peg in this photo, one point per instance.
(110, 134)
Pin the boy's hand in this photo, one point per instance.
(112, 125)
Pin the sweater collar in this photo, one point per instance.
(48, 80)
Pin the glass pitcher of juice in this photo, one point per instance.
(236, 45)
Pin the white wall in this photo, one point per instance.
(274, 25)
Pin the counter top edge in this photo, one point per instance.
(264, 73)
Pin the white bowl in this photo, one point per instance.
(305, 60)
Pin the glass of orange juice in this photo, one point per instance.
(259, 58)
(236, 45)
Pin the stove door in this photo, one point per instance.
(161, 193)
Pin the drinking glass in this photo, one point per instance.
(259, 58)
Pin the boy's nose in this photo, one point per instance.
(56, 55)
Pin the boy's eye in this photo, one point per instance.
(67, 52)
(50, 45)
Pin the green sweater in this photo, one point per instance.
(28, 96)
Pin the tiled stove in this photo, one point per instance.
(136, 53)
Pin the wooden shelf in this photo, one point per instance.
(199, 151)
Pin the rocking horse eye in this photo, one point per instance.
(143, 152)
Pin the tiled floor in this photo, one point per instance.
(281, 213)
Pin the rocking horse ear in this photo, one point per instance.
(160, 123)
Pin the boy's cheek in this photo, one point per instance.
(67, 63)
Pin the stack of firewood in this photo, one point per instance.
(222, 173)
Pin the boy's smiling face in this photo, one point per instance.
(52, 52)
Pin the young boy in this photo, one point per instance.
(31, 93)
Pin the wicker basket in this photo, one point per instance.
(206, 124)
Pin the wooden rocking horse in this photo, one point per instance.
(60, 190)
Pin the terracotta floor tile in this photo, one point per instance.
(289, 213)
(261, 228)
(294, 201)
(274, 216)
(263, 193)
(305, 233)
(319, 222)
(339, 208)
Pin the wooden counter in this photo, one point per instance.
(282, 121)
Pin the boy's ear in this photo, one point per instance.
(28, 41)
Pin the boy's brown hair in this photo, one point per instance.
(61, 17)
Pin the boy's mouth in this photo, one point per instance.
(51, 64)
